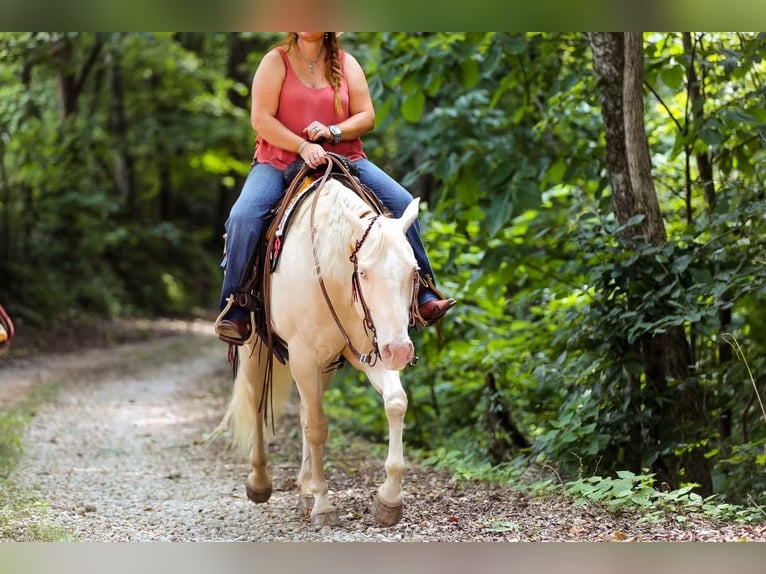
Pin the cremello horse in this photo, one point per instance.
(371, 314)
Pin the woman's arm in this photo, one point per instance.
(361, 111)
(267, 85)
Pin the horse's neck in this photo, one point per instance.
(334, 234)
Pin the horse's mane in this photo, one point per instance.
(334, 232)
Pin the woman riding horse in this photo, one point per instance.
(308, 97)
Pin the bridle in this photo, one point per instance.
(372, 356)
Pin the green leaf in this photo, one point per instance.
(555, 173)
(469, 73)
(673, 77)
(739, 116)
(517, 44)
(499, 213)
(681, 263)
(412, 107)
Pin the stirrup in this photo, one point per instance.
(232, 340)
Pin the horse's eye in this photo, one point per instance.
(362, 273)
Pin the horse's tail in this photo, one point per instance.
(242, 414)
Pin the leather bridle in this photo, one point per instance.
(371, 357)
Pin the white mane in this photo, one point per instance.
(335, 231)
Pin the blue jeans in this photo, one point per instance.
(264, 187)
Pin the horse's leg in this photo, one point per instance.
(387, 505)
(249, 429)
(258, 484)
(252, 368)
(306, 502)
(312, 382)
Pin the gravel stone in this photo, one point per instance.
(121, 454)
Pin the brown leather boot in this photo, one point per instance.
(233, 330)
(435, 309)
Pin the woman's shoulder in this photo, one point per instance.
(274, 61)
(346, 56)
(275, 55)
(351, 67)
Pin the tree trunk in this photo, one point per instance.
(705, 169)
(618, 63)
(70, 83)
(636, 143)
(124, 169)
(5, 223)
(608, 64)
(503, 436)
(704, 164)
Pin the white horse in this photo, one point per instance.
(371, 313)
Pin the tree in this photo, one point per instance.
(618, 61)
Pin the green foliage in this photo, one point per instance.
(12, 423)
(15, 525)
(117, 218)
(743, 472)
(553, 299)
(17, 505)
(467, 468)
(628, 491)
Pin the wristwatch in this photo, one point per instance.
(335, 133)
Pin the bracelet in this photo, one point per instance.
(303, 145)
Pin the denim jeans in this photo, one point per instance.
(264, 187)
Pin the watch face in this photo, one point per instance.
(335, 134)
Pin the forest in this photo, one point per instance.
(596, 202)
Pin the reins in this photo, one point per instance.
(372, 356)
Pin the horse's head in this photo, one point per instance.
(387, 272)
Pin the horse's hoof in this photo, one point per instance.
(384, 514)
(258, 496)
(305, 505)
(319, 521)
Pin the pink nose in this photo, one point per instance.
(397, 355)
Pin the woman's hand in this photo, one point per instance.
(316, 131)
(313, 154)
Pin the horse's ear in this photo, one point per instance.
(410, 214)
(354, 220)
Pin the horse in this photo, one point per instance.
(347, 279)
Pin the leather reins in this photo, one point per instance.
(372, 356)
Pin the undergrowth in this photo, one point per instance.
(626, 492)
(17, 505)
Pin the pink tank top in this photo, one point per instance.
(299, 105)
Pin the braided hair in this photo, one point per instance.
(333, 72)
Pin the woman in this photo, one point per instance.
(308, 97)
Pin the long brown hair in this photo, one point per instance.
(333, 73)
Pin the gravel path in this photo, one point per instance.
(121, 455)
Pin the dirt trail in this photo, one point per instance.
(120, 454)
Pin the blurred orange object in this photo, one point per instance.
(6, 329)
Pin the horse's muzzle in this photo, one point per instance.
(397, 354)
